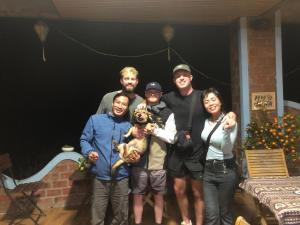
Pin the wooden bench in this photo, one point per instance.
(266, 163)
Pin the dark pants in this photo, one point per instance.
(115, 192)
(219, 184)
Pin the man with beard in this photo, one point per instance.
(129, 80)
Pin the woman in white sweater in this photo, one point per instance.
(220, 177)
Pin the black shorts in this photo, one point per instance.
(185, 171)
(186, 165)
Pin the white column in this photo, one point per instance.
(278, 57)
(244, 75)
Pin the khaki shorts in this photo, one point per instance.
(144, 180)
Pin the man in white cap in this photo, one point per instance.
(185, 165)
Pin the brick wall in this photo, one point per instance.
(261, 56)
(291, 110)
(262, 64)
(64, 186)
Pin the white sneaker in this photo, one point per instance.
(183, 223)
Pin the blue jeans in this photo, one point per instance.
(219, 184)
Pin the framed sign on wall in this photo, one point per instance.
(263, 100)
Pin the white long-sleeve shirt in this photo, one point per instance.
(168, 133)
(221, 141)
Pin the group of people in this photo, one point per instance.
(197, 115)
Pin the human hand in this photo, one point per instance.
(93, 156)
(229, 120)
(142, 105)
(133, 157)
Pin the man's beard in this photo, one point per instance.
(126, 91)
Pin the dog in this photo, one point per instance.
(142, 119)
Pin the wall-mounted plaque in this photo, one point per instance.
(263, 100)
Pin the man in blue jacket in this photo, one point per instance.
(96, 145)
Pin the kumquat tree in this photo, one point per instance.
(274, 133)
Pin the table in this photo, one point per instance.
(280, 194)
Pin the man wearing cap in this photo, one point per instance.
(149, 173)
(185, 165)
(129, 80)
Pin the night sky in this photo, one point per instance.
(45, 105)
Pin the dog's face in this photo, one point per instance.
(141, 116)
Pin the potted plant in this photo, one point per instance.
(274, 133)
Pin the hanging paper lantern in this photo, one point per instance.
(41, 30)
(168, 34)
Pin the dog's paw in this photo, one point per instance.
(150, 127)
(128, 133)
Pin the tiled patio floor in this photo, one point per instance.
(243, 205)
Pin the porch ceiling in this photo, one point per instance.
(151, 11)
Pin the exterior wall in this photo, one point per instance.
(262, 62)
(261, 69)
(291, 110)
(64, 186)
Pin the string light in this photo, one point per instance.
(143, 55)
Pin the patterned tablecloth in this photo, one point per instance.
(280, 195)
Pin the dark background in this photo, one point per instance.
(45, 105)
(291, 62)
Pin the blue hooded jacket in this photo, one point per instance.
(98, 134)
